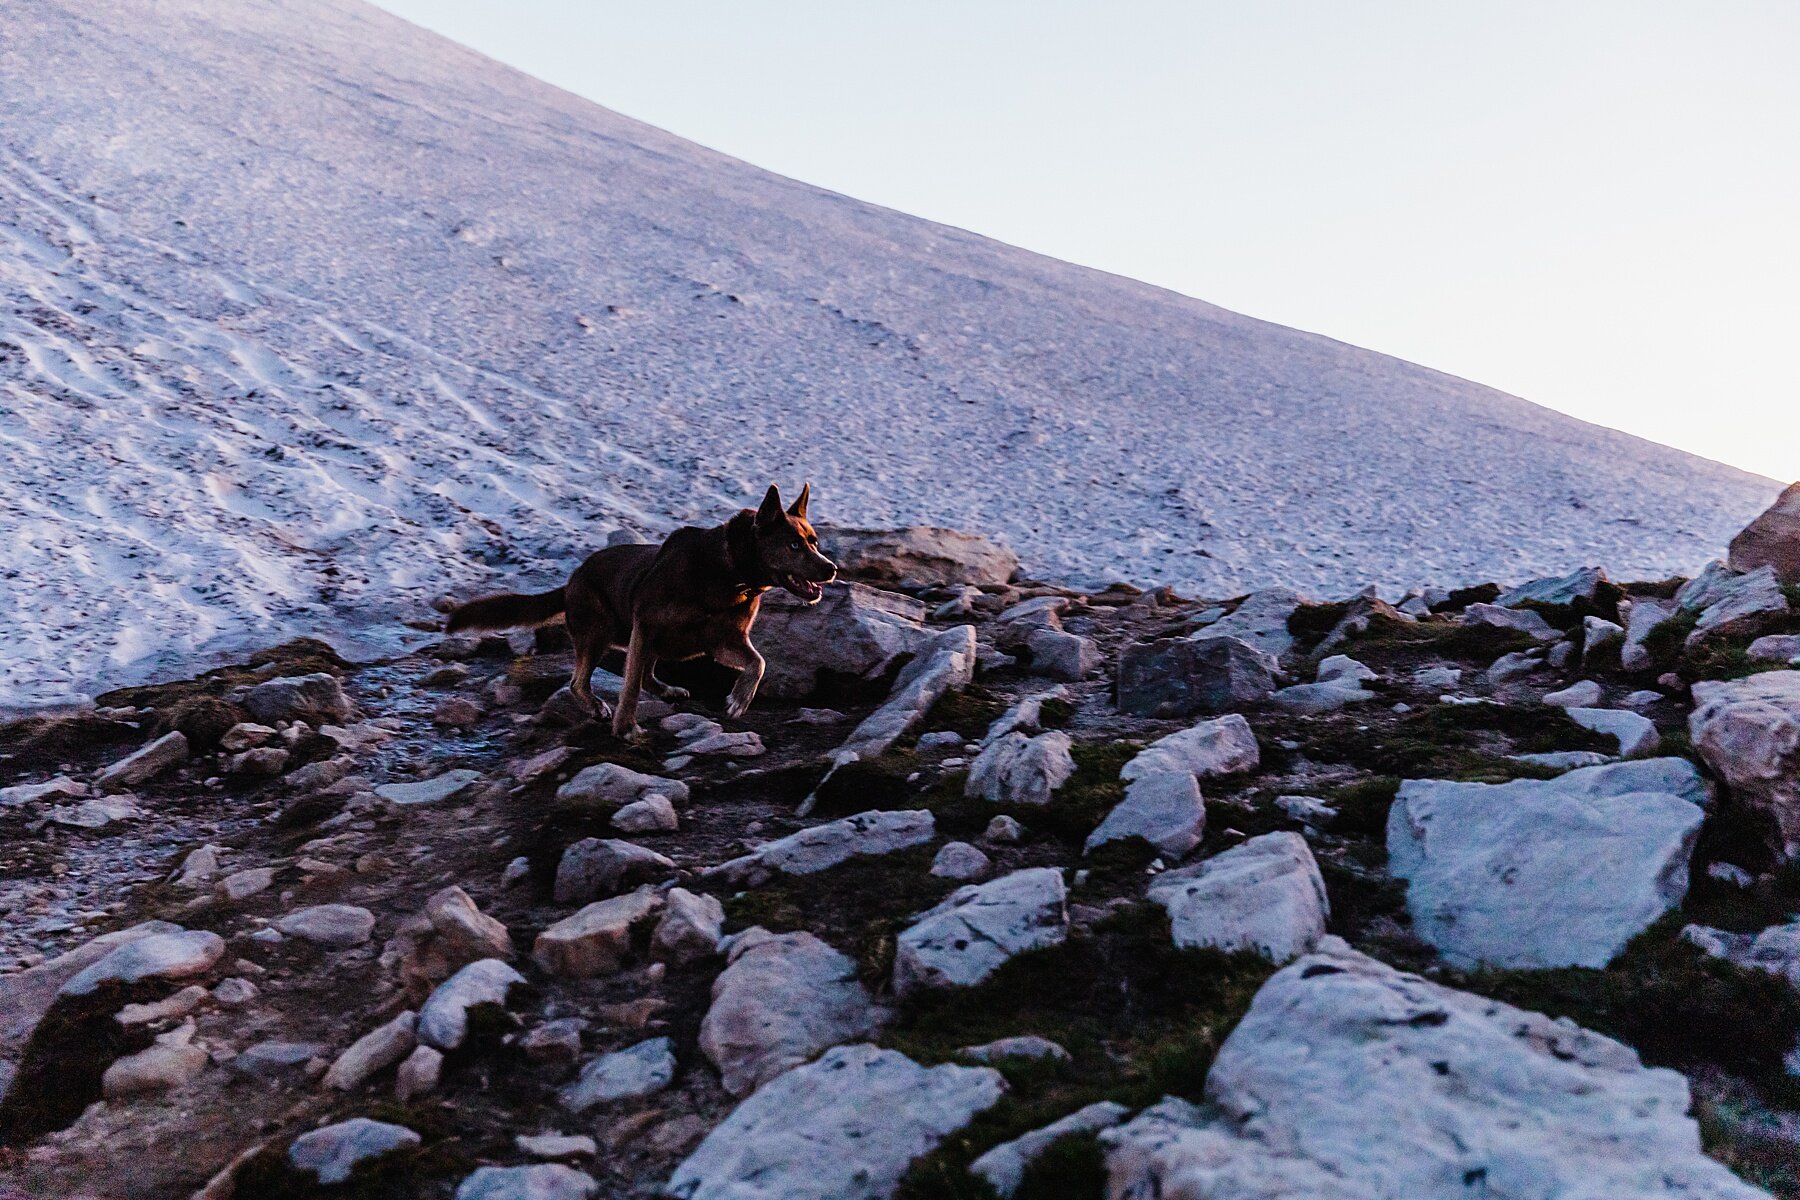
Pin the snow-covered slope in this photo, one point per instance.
(307, 316)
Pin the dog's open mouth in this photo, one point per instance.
(806, 589)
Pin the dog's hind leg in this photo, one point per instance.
(639, 662)
(749, 665)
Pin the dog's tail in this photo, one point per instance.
(507, 611)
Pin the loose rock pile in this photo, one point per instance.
(1001, 889)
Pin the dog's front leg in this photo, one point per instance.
(749, 665)
(638, 663)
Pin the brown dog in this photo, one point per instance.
(695, 595)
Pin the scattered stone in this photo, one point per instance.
(541, 1181)
(1514, 666)
(1307, 809)
(145, 763)
(272, 1060)
(234, 992)
(855, 632)
(1436, 678)
(1004, 1165)
(1028, 1046)
(1564, 760)
(1017, 769)
(979, 926)
(1165, 810)
(338, 926)
(1059, 655)
(167, 1063)
(179, 954)
(845, 1127)
(448, 934)
(1359, 613)
(821, 847)
(1265, 895)
(1636, 734)
(652, 814)
(1772, 540)
(1225, 746)
(444, 1020)
(556, 1145)
(818, 716)
(1742, 604)
(316, 699)
(1559, 591)
(1003, 831)
(418, 1074)
(373, 1052)
(597, 940)
(690, 927)
(169, 1008)
(96, 813)
(457, 712)
(920, 556)
(630, 1074)
(538, 766)
(1748, 731)
(1339, 684)
(609, 785)
(1775, 949)
(597, 867)
(1775, 648)
(744, 744)
(317, 776)
(940, 739)
(241, 885)
(332, 1152)
(781, 1000)
(451, 785)
(1261, 621)
(1583, 693)
(1343, 1076)
(945, 664)
(557, 1041)
(1645, 618)
(1599, 635)
(1642, 699)
(1525, 621)
(1545, 873)
(1731, 873)
(245, 735)
(1181, 677)
(25, 996)
(960, 861)
(62, 787)
(516, 871)
(263, 761)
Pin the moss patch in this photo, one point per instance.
(302, 656)
(1469, 742)
(1141, 1018)
(858, 906)
(969, 712)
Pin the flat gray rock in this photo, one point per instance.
(1265, 895)
(1544, 873)
(629, 1074)
(1165, 810)
(1222, 746)
(1019, 769)
(782, 999)
(845, 1127)
(611, 785)
(541, 1181)
(822, 847)
(333, 1151)
(1004, 1165)
(444, 1020)
(598, 867)
(450, 785)
(178, 955)
(978, 927)
(338, 926)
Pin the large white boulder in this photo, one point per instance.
(1545, 873)
(855, 632)
(1748, 730)
(1741, 602)
(1635, 733)
(783, 998)
(921, 555)
(1016, 769)
(1265, 895)
(1165, 809)
(845, 1127)
(1350, 1080)
(820, 847)
(979, 926)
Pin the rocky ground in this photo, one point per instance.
(999, 889)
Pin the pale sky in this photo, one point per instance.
(1593, 205)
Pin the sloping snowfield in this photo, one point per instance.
(308, 316)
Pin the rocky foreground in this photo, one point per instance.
(1000, 889)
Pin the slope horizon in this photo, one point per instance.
(380, 329)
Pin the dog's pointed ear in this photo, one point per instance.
(799, 506)
(770, 512)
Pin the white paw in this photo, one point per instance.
(737, 706)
